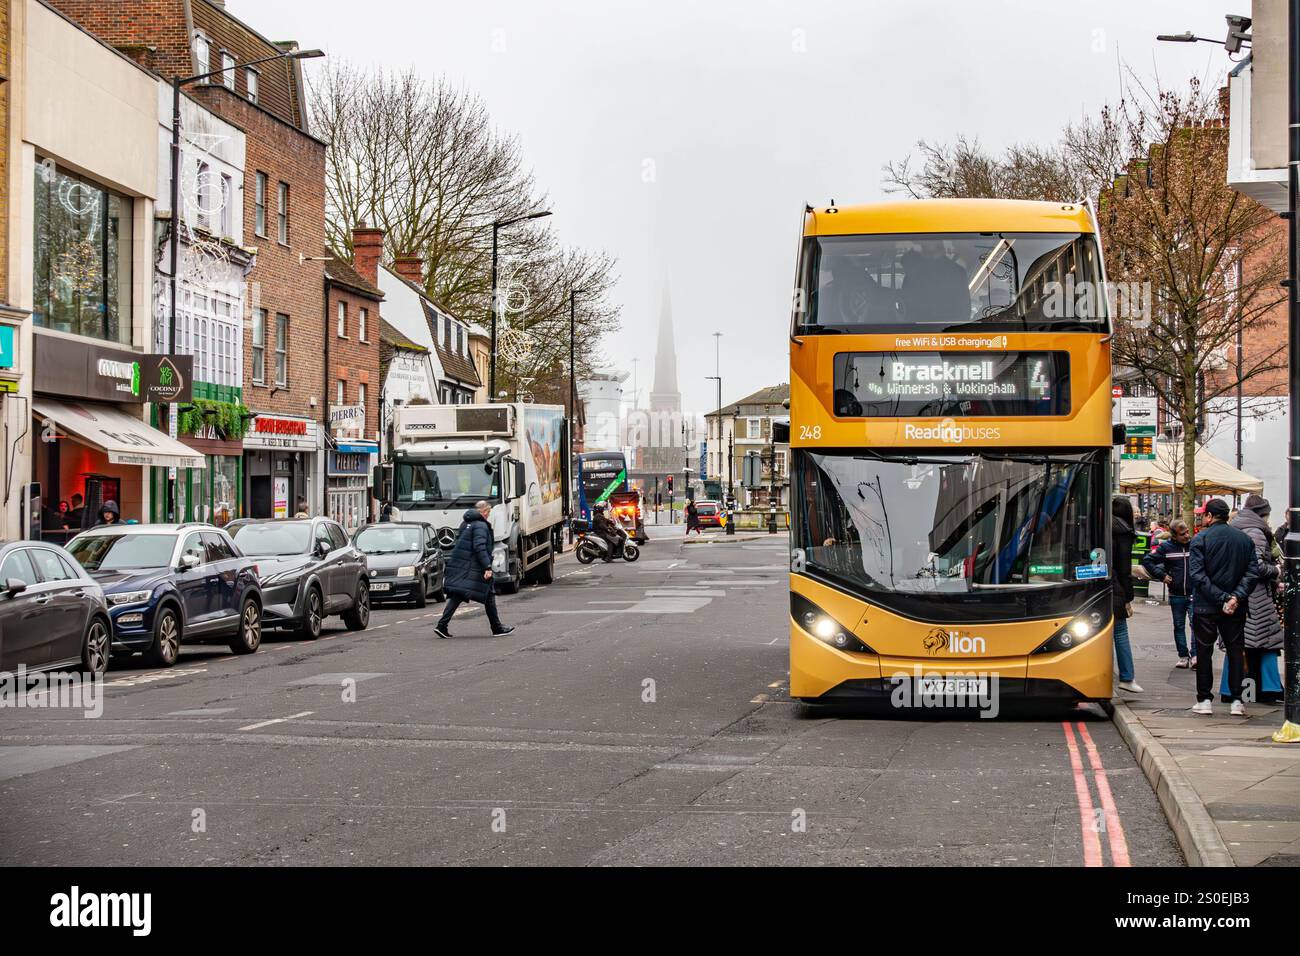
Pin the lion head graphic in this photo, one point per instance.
(935, 641)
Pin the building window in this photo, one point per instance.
(250, 79)
(446, 334)
(460, 340)
(361, 394)
(754, 428)
(202, 53)
(259, 346)
(259, 206)
(361, 324)
(227, 205)
(82, 258)
(227, 70)
(343, 320)
(281, 349)
(341, 395)
(283, 212)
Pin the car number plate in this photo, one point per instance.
(384, 586)
(959, 686)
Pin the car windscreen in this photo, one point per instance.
(122, 552)
(390, 540)
(268, 539)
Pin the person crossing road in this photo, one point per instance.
(469, 572)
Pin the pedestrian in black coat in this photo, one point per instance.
(1224, 570)
(468, 576)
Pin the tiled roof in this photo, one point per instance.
(396, 339)
(454, 363)
(771, 395)
(340, 271)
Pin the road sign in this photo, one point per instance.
(1138, 415)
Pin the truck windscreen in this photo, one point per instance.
(431, 484)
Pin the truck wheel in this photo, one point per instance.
(544, 573)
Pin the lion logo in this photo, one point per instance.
(935, 641)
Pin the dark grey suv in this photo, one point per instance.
(52, 613)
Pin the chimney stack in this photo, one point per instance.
(367, 252)
(411, 268)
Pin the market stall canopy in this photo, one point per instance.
(1160, 475)
(126, 440)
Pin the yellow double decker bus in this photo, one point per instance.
(950, 431)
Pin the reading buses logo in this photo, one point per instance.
(950, 432)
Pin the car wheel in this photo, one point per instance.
(249, 636)
(94, 651)
(313, 615)
(166, 639)
(422, 593)
(357, 617)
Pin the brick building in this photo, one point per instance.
(283, 207)
(352, 358)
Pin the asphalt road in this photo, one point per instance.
(637, 716)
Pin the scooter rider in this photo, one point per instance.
(608, 531)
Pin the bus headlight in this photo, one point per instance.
(1084, 626)
(824, 627)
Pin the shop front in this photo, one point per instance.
(214, 493)
(93, 444)
(279, 464)
(349, 460)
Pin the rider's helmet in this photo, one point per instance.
(598, 509)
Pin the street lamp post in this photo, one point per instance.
(573, 397)
(1289, 732)
(497, 226)
(174, 254)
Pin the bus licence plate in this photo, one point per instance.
(959, 686)
(378, 586)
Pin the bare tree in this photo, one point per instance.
(1211, 257)
(965, 169)
(420, 159)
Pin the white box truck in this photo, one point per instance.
(444, 458)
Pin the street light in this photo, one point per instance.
(573, 400)
(174, 256)
(497, 226)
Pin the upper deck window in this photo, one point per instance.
(995, 281)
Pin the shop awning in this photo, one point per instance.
(357, 446)
(1160, 475)
(126, 440)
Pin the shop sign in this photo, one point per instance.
(281, 504)
(167, 378)
(68, 367)
(272, 431)
(347, 464)
(347, 419)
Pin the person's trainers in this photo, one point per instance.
(1238, 709)
(1132, 686)
(1203, 707)
(441, 631)
(1184, 662)
(503, 631)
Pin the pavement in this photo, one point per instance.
(639, 715)
(1232, 795)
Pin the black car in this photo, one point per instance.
(52, 613)
(168, 583)
(405, 561)
(309, 570)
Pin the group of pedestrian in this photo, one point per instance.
(1224, 577)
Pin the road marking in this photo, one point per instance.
(277, 720)
(154, 676)
(202, 712)
(775, 683)
(1114, 830)
(760, 699)
(378, 627)
(1087, 818)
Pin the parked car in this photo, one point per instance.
(308, 570)
(405, 561)
(53, 615)
(712, 514)
(171, 583)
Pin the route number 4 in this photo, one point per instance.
(810, 432)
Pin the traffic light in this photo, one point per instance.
(670, 484)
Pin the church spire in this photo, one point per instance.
(665, 390)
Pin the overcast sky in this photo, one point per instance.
(684, 137)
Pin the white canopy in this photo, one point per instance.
(126, 440)
(1160, 475)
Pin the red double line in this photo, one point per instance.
(1088, 818)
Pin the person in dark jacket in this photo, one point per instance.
(1121, 582)
(1224, 571)
(1263, 633)
(1168, 563)
(692, 517)
(468, 575)
(75, 518)
(109, 514)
